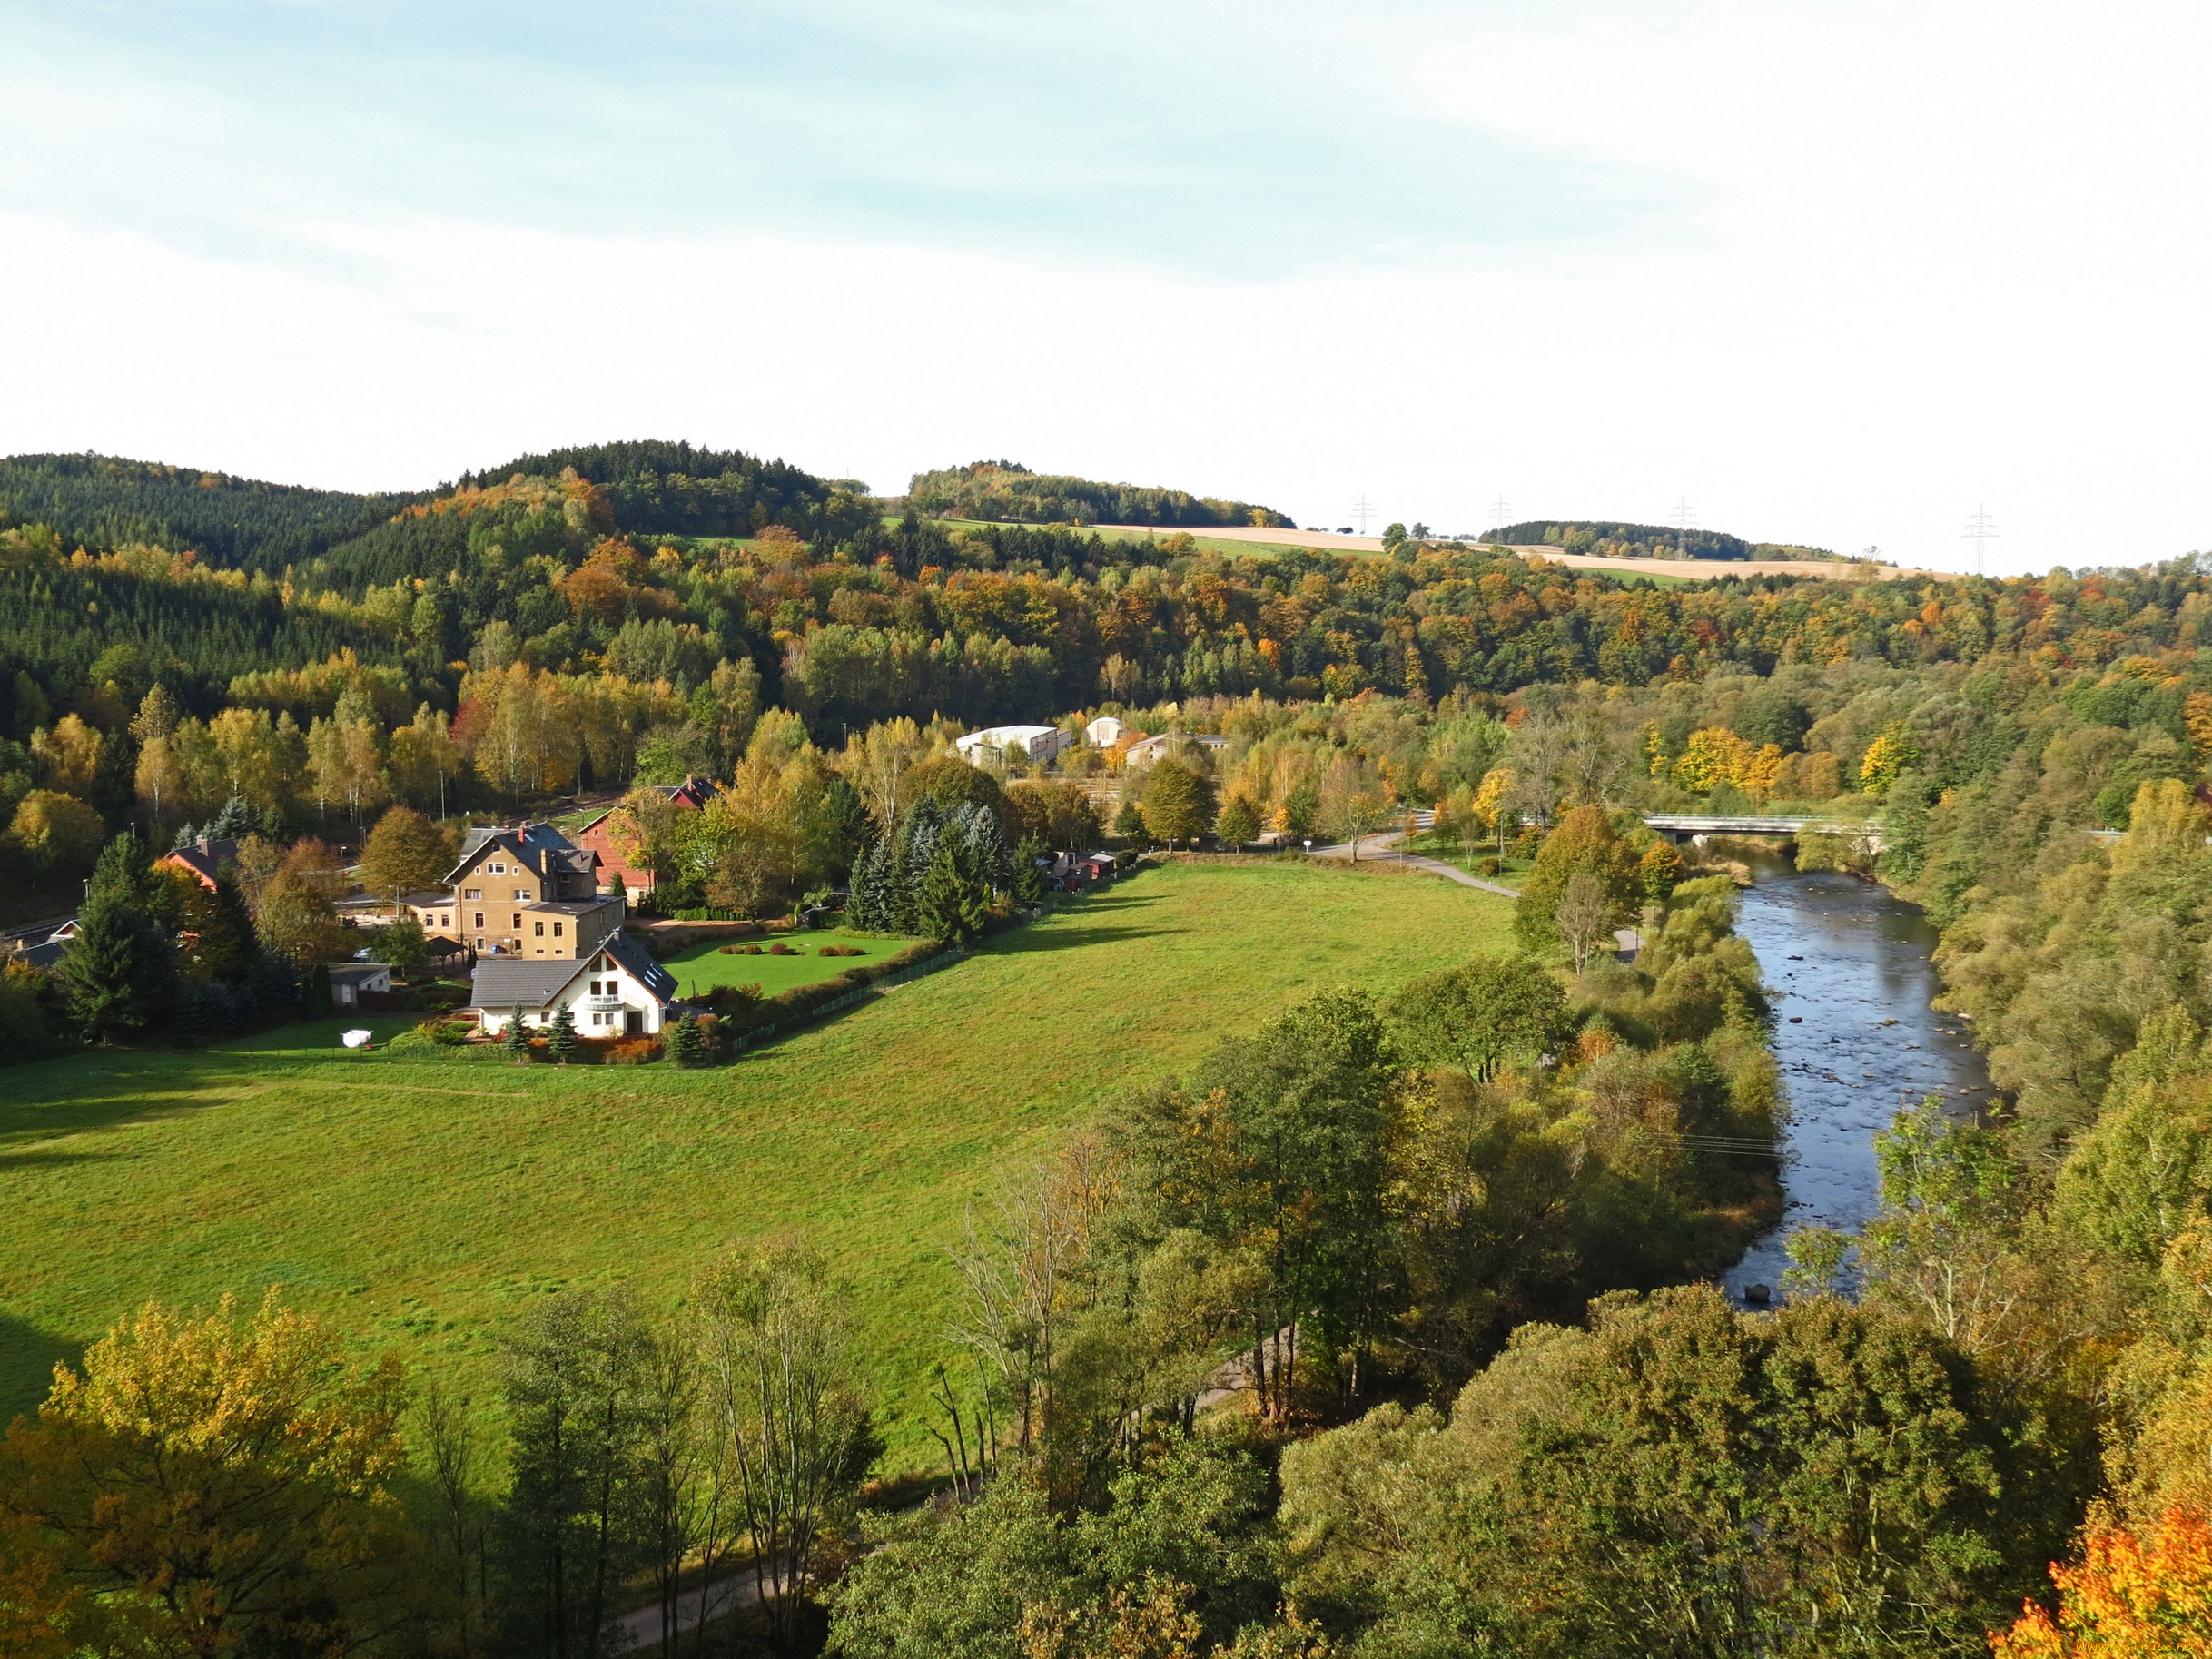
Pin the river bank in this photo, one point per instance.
(1852, 970)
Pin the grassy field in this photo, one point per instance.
(1511, 871)
(423, 1199)
(1203, 542)
(704, 966)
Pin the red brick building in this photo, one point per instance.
(689, 795)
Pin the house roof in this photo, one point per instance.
(510, 982)
(696, 790)
(576, 907)
(539, 847)
(633, 956)
(43, 956)
(513, 982)
(427, 896)
(356, 973)
(202, 857)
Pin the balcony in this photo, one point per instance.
(602, 1004)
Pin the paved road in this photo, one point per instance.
(735, 1588)
(1380, 849)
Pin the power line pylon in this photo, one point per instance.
(1685, 520)
(1981, 527)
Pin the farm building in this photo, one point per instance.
(991, 743)
(1104, 732)
(689, 795)
(1145, 750)
(618, 990)
(349, 980)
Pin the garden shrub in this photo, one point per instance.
(632, 1052)
(780, 949)
(417, 1039)
(841, 949)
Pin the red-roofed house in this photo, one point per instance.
(689, 795)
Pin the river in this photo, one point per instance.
(1850, 972)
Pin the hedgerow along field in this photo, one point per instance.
(422, 1199)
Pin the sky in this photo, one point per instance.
(1836, 272)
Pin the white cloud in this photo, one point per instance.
(1933, 254)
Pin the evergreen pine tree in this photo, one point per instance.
(120, 971)
(560, 1040)
(315, 999)
(951, 905)
(686, 1047)
(1028, 879)
(226, 946)
(518, 1038)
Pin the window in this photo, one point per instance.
(495, 869)
(522, 893)
(516, 924)
(557, 930)
(473, 892)
(479, 921)
(540, 931)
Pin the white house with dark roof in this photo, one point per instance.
(616, 991)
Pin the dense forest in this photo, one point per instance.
(1644, 541)
(1453, 1237)
(1004, 491)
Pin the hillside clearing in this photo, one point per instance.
(423, 1199)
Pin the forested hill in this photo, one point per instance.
(103, 502)
(1007, 493)
(1644, 541)
(345, 542)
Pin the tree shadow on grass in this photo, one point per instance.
(88, 1099)
(1028, 940)
(28, 1357)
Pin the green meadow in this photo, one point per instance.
(704, 966)
(422, 1199)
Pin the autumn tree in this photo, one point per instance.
(425, 758)
(1178, 805)
(405, 852)
(57, 833)
(1481, 1016)
(1585, 843)
(784, 1393)
(2131, 1598)
(222, 1486)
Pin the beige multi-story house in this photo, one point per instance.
(527, 891)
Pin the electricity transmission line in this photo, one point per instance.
(1361, 510)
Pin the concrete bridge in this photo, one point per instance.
(1679, 827)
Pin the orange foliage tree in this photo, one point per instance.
(2127, 1600)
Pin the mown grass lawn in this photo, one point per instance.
(423, 1199)
(704, 966)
